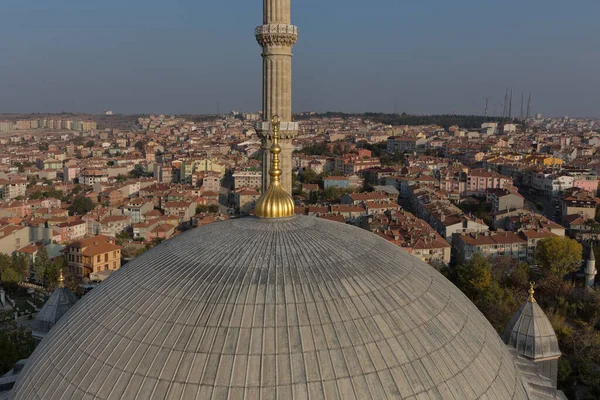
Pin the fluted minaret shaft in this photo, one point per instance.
(276, 12)
(277, 37)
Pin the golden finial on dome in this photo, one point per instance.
(61, 279)
(531, 292)
(275, 202)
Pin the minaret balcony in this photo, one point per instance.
(276, 35)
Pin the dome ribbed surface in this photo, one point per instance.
(57, 305)
(531, 334)
(260, 309)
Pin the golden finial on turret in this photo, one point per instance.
(275, 202)
(531, 292)
(61, 279)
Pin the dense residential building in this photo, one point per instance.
(405, 144)
(12, 188)
(579, 202)
(93, 254)
(184, 210)
(248, 179)
(479, 180)
(245, 199)
(73, 230)
(490, 244)
(13, 237)
(112, 225)
(91, 177)
(135, 208)
(518, 245)
(502, 199)
(336, 182)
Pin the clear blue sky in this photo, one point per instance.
(429, 56)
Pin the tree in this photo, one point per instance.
(5, 262)
(90, 143)
(43, 146)
(138, 171)
(475, 276)
(56, 194)
(36, 195)
(213, 208)
(81, 205)
(139, 145)
(41, 264)
(9, 275)
(367, 187)
(15, 343)
(20, 263)
(308, 176)
(13, 268)
(121, 178)
(53, 271)
(559, 255)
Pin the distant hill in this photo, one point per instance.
(444, 120)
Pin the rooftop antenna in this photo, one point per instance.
(494, 110)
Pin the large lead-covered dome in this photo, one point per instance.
(260, 309)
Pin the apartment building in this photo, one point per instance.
(13, 237)
(520, 245)
(579, 202)
(94, 254)
(502, 199)
(184, 210)
(247, 179)
(74, 230)
(136, 208)
(12, 188)
(245, 199)
(480, 180)
(405, 144)
(93, 176)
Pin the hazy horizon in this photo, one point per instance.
(190, 58)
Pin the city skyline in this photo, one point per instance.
(191, 58)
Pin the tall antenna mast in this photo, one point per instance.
(522, 105)
(505, 106)
(486, 108)
(529, 106)
(510, 105)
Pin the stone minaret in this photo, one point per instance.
(590, 269)
(277, 37)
